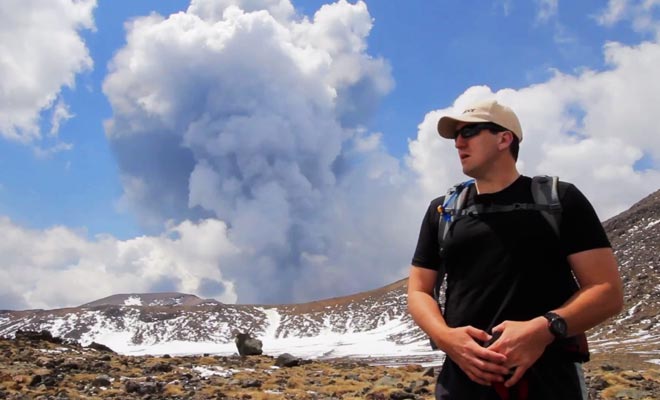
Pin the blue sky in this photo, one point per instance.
(164, 139)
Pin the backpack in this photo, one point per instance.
(546, 201)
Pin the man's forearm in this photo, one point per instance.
(589, 307)
(601, 292)
(426, 313)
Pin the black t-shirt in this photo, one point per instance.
(486, 256)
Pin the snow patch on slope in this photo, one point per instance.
(133, 301)
(374, 343)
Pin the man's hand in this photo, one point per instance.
(522, 343)
(482, 365)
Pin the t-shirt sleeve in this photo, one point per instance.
(426, 253)
(580, 228)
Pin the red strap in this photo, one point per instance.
(520, 391)
(501, 390)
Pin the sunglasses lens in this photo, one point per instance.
(468, 131)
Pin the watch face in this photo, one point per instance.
(558, 327)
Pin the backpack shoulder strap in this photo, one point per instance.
(454, 202)
(544, 191)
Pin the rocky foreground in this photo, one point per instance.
(48, 368)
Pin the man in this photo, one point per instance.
(510, 275)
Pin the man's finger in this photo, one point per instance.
(492, 368)
(491, 356)
(478, 380)
(477, 334)
(484, 378)
(498, 328)
(519, 372)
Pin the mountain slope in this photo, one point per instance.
(635, 237)
(373, 323)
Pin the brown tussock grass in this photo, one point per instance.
(173, 389)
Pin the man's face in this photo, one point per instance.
(476, 153)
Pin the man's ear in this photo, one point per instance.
(505, 140)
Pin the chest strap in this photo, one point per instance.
(478, 209)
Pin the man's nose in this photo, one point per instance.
(460, 142)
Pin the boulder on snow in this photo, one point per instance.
(248, 346)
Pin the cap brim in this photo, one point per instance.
(447, 125)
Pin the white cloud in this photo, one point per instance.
(613, 13)
(213, 10)
(44, 54)
(59, 267)
(52, 144)
(547, 9)
(589, 129)
(61, 113)
(256, 118)
(641, 13)
(547, 13)
(506, 6)
(45, 152)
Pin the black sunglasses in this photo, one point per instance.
(473, 130)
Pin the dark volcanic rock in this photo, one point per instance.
(144, 388)
(251, 383)
(401, 396)
(42, 335)
(248, 346)
(160, 367)
(102, 380)
(100, 347)
(287, 360)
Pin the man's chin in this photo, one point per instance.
(468, 172)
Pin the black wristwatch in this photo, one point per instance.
(556, 325)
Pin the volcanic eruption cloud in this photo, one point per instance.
(248, 115)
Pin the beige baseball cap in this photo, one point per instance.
(483, 111)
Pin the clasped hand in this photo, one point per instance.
(507, 359)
